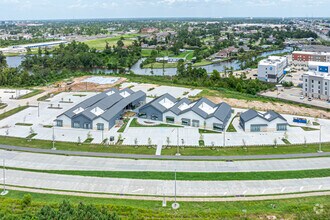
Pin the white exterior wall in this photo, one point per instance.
(100, 120)
(271, 126)
(271, 66)
(192, 116)
(312, 88)
(66, 121)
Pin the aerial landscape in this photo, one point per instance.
(165, 109)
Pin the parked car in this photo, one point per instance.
(302, 97)
(309, 99)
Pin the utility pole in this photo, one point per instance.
(5, 191)
(320, 144)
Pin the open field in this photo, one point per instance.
(99, 44)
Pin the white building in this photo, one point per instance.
(253, 121)
(322, 67)
(316, 85)
(272, 68)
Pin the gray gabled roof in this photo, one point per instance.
(250, 114)
(199, 111)
(175, 109)
(119, 106)
(155, 103)
(222, 112)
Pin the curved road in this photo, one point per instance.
(140, 156)
(60, 162)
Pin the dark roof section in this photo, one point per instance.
(250, 114)
(155, 103)
(123, 103)
(222, 112)
(175, 109)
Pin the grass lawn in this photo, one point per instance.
(162, 53)
(250, 150)
(23, 124)
(231, 127)
(298, 208)
(22, 142)
(202, 63)
(3, 105)
(135, 124)
(123, 127)
(192, 176)
(47, 96)
(12, 112)
(205, 131)
(158, 65)
(31, 94)
(99, 44)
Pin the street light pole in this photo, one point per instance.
(177, 143)
(53, 148)
(4, 192)
(320, 144)
(175, 205)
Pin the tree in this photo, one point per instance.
(3, 61)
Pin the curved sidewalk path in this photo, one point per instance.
(59, 162)
(161, 187)
(140, 156)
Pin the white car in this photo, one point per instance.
(302, 97)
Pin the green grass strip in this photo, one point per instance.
(31, 94)
(12, 112)
(192, 176)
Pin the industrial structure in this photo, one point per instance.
(272, 69)
(102, 111)
(200, 113)
(253, 121)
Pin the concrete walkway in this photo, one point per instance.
(59, 162)
(140, 156)
(161, 187)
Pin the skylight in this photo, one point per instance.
(125, 94)
(110, 93)
(166, 103)
(206, 108)
(78, 110)
(184, 106)
(97, 111)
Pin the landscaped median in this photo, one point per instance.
(191, 176)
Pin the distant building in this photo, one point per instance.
(102, 111)
(253, 121)
(170, 59)
(316, 82)
(201, 113)
(149, 30)
(272, 68)
(303, 57)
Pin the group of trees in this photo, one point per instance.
(78, 56)
(188, 75)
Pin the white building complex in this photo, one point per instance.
(272, 68)
(316, 82)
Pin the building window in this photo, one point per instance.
(100, 126)
(217, 127)
(76, 124)
(195, 123)
(59, 123)
(185, 122)
(169, 119)
(255, 128)
(87, 126)
(281, 127)
(142, 115)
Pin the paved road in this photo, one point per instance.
(60, 162)
(160, 187)
(140, 156)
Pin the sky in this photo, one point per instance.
(79, 9)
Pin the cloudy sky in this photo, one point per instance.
(61, 9)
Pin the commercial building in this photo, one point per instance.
(102, 111)
(303, 57)
(253, 121)
(170, 59)
(322, 67)
(201, 113)
(316, 84)
(272, 68)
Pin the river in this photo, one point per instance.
(15, 61)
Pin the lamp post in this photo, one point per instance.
(54, 148)
(4, 191)
(320, 144)
(177, 144)
(175, 205)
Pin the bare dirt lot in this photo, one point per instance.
(279, 107)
